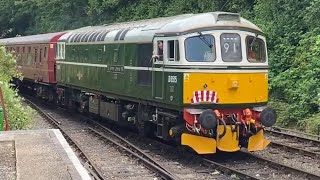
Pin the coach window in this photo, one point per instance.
(173, 50)
(45, 52)
(256, 51)
(35, 54)
(56, 50)
(200, 48)
(231, 47)
(40, 58)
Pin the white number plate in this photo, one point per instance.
(172, 79)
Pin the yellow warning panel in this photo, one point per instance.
(230, 141)
(257, 142)
(229, 88)
(202, 145)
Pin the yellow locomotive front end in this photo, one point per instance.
(223, 111)
(225, 88)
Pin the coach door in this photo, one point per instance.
(158, 69)
(36, 62)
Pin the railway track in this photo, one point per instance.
(81, 129)
(77, 133)
(294, 133)
(303, 143)
(85, 160)
(246, 165)
(125, 145)
(91, 138)
(294, 149)
(263, 168)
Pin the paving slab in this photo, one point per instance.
(38, 154)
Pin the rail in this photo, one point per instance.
(86, 161)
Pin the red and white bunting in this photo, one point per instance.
(204, 96)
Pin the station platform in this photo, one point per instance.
(38, 154)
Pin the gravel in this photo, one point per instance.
(8, 160)
(117, 165)
(290, 158)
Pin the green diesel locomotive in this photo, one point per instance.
(198, 79)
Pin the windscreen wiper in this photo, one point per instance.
(254, 39)
(204, 40)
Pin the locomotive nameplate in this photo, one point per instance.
(115, 69)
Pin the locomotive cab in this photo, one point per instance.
(222, 72)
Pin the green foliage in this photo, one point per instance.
(282, 112)
(19, 117)
(25, 17)
(299, 85)
(282, 21)
(293, 44)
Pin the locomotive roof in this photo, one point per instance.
(35, 39)
(145, 30)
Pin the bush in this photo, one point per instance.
(299, 85)
(19, 117)
(311, 124)
(282, 112)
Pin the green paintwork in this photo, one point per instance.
(115, 79)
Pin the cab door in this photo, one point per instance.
(158, 69)
(36, 64)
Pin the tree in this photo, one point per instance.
(19, 116)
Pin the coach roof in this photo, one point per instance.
(145, 30)
(32, 39)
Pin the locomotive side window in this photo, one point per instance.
(115, 55)
(200, 48)
(160, 50)
(231, 47)
(256, 51)
(61, 51)
(100, 55)
(170, 50)
(173, 50)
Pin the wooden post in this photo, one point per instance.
(4, 111)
